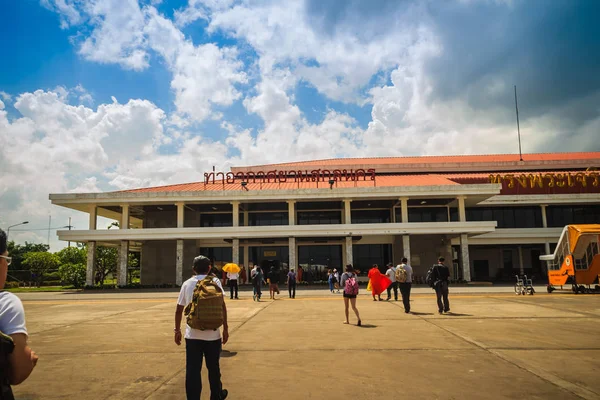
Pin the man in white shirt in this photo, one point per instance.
(391, 274)
(198, 343)
(22, 359)
(406, 286)
(232, 279)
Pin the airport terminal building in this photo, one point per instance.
(490, 216)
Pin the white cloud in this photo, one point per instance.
(69, 16)
(5, 96)
(118, 34)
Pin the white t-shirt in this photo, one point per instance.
(391, 273)
(409, 272)
(12, 314)
(185, 297)
(232, 276)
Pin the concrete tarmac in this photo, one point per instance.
(493, 345)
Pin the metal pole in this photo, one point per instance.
(69, 229)
(49, 222)
(518, 127)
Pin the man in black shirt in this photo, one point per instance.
(442, 274)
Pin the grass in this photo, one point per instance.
(41, 289)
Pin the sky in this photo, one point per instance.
(105, 95)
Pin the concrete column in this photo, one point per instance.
(93, 214)
(462, 213)
(347, 215)
(246, 220)
(292, 213)
(236, 213)
(404, 210)
(179, 263)
(235, 253)
(91, 263)
(349, 258)
(292, 252)
(124, 224)
(521, 267)
(180, 215)
(246, 255)
(464, 252)
(123, 263)
(406, 246)
(544, 218)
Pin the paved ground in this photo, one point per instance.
(494, 345)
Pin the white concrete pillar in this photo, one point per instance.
(124, 224)
(347, 214)
(544, 217)
(293, 263)
(404, 210)
(180, 215)
(123, 263)
(464, 252)
(91, 263)
(521, 266)
(246, 255)
(406, 247)
(93, 217)
(235, 252)
(349, 258)
(462, 213)
(292, 213)
(179, 263)
(236, 213)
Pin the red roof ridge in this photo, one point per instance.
(597, 153)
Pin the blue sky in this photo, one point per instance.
(101, 95)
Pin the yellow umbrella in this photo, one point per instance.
(231, 268)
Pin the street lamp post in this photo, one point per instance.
(12, 226)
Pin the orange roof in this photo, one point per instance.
(381, 181)
(439, 159)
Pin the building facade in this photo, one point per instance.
(490, 216)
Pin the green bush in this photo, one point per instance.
(72, 274)
(11, 285)
(52, 283)
(52, 276)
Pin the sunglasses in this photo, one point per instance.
(8, 259)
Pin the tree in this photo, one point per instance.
(40, 263)
(72, 255)
(106, 262)
(18, 251)
(72, 274)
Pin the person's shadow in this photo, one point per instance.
(368, 326)
(227, 353)
(420, 313)
(451, 314)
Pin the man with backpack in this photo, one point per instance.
(404, 275)
(17, 360)
(202, 297)
(391, 273)
(440, 276)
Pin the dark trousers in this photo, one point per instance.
(405, 292)
(194, 351)
(292, 289)
(233, 285)
(441, 291)
(394, 286)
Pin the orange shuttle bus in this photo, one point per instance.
(576, 260)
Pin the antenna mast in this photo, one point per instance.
(518, 127)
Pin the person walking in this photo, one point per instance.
(336, 284)
(349, 281)
(232, 281)
(273, 282)
(21, 359)
(391, 274)
(291, 283)
(379, 282)
(441, 276)
(201, 344)
(330, 279)
(404, 275)
(257, 280)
